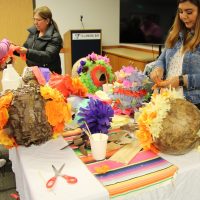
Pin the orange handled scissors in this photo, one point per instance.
(70, 179)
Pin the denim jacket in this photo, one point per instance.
(190, 67)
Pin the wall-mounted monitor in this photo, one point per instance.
(146, 21)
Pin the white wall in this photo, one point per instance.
(97, 14)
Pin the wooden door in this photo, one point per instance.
(113, 61)
(130, 62)
(15, 18)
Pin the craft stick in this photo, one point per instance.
(87, 133)
(127, 152)
(87, 128)
(106, 80)
(76, 131)
(101, 136)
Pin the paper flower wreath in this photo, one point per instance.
(94, 71)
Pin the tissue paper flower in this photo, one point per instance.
(57, 110)
(5, 102)
(97, 114)
(68, 85)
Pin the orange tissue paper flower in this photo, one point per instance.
(63, 83)
(79, 88)
(57, 112)
(7, 141)
(6, 100)
(4, 104)
(58, 128)
(3, 117)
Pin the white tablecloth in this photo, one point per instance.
(32, 167)
(184, 186)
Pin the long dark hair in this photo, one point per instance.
(178, 26)
(195, 2)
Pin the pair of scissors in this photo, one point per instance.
(70, 179)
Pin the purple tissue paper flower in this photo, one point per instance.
(98, 116)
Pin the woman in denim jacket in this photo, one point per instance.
(179, 63)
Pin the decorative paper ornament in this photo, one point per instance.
(131, 89)
(169, 124)
(94, 71)
(32, 114)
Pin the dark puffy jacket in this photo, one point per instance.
(44, 51)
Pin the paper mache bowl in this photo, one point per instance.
(32, 114)
(169, 124)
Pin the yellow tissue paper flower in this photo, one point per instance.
(151, 117)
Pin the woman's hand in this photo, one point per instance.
(172, 82)
(157, 74)
(21, 50)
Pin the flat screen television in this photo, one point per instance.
(146, 21)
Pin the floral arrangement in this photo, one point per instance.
(58, 112)
(161, 125)
(68, 85)
(5, 102)
(56, 109)
(94, 71)
(131, 89)
(96, 114)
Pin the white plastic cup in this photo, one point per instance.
(108, 88)
(98, 142)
